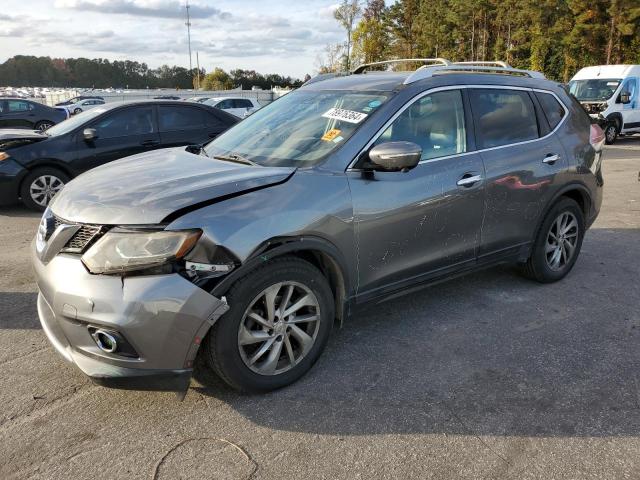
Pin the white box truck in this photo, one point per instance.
(610, 91)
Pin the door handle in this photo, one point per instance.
(551, 159)
(150, 143)
(467, 180)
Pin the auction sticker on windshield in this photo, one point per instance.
(345, 115)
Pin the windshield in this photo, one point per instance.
(298, 129)
(594, 89)
(74, 122)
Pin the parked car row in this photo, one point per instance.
(35, 165)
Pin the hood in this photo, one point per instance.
(16, 137)
(146, 188)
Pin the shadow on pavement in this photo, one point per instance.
(18, 310)
(488, 354)
(18, 211)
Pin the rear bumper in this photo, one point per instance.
(161, 317)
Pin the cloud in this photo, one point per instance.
(143, 8)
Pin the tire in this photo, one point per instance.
(77, 111)
(231, 360)
(611, 132)
(43, 125)
(541, 264)
(44, 177)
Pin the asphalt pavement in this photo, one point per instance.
(487, 376)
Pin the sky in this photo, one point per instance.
(269, 36)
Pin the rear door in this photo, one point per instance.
(17, 113)
(182, 125)
(522, 159)
(121, 133)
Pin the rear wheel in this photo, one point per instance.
(77, 111)
(278, 324)
(40, 186)
(557, 243)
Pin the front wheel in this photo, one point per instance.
(40, 186)
(557, 244)
(77, 111)
(278, 324)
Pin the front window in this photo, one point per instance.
(298, 129)
(594, 90)
(74, 122)
(434, 122)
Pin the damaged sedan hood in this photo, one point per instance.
(146, 188)
(16, 137)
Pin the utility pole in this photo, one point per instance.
(188, 24)
(198, 66)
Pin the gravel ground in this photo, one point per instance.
(488, 376)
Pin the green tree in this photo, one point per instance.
(346, 14)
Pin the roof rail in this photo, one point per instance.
(430, 71)
(437, 61)
(495, 63)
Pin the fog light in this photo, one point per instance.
(105, 341)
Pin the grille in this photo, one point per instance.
(82, 238)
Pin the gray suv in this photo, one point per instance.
(348, 190)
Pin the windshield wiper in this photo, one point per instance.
(234, 157)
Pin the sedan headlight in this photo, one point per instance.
(121, 250)
(3, 156)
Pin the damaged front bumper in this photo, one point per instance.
(158, 321)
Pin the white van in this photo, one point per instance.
(611, 91)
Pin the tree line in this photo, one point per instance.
(556, 37)
(32, 71)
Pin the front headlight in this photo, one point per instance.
(3, 156)
(122, 250)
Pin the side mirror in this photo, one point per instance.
(195, 149)
(394, 156)
(90, 134)
(625, 97)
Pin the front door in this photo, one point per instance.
(414, 225)
(631, 110)
(125, 132)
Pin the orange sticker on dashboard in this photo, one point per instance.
(331, 134)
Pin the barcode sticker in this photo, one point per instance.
(345, 115)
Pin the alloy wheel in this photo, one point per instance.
(279, 328)
(43, 189)
(562, 240)
(44, 125)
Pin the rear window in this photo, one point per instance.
(503, 117)
(242, 103)
(551, 107)
(179, 118)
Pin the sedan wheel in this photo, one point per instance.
(43, 189)
(279, 328)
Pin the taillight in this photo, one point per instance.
(596, 137)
